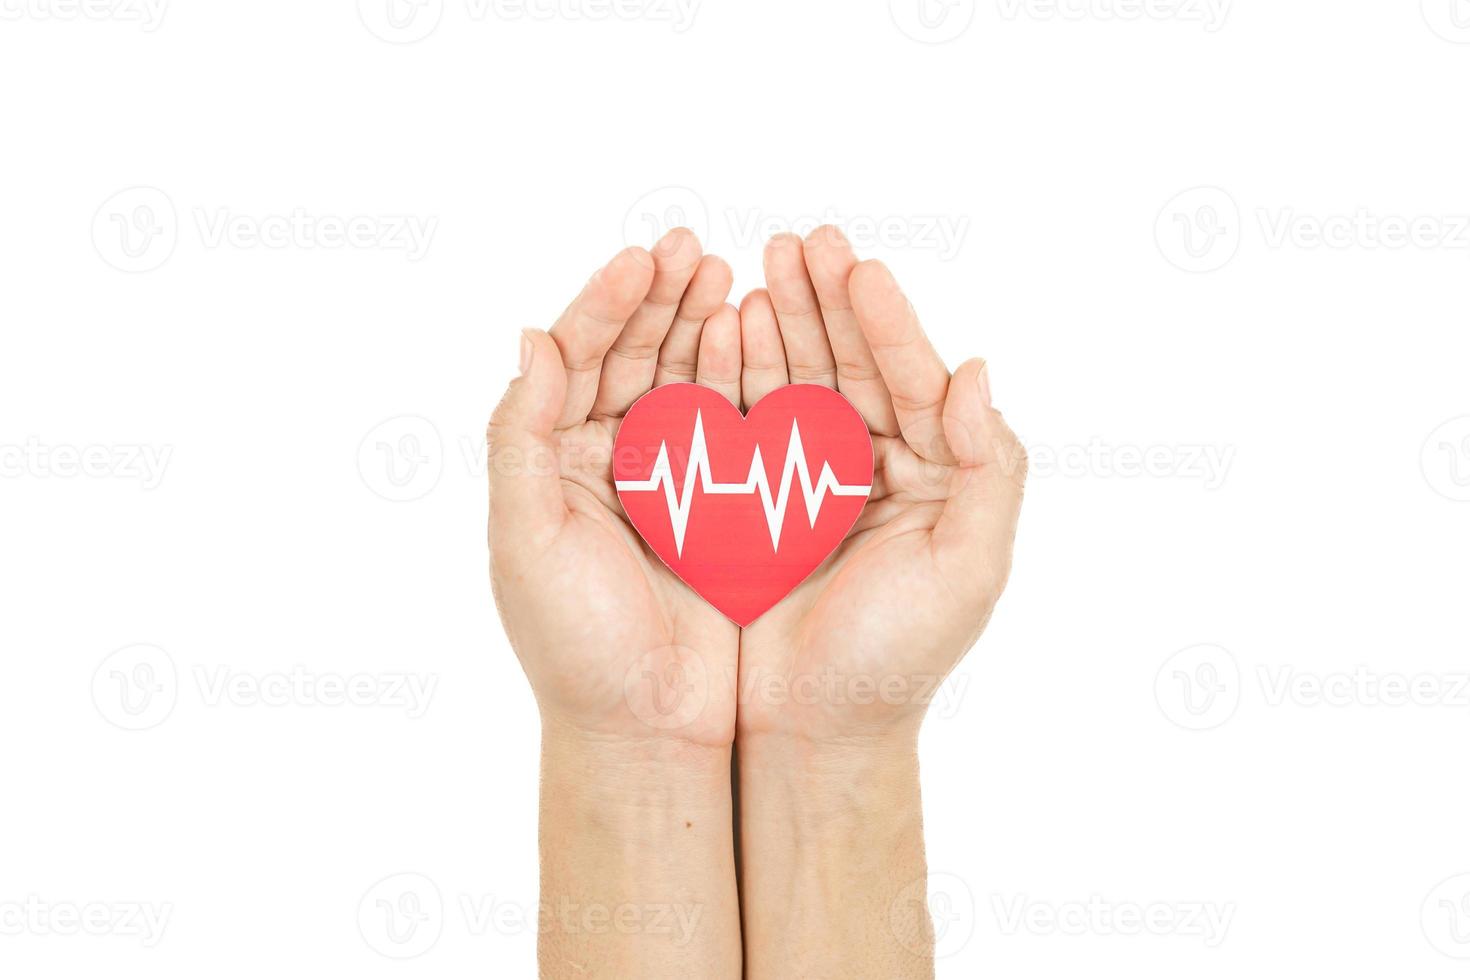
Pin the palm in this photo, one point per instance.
(627, 617)
(613, 643)
(866, 639)
(865, 623)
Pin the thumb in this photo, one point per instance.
(973, 539)
(525, 475)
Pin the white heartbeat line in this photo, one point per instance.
(698, 473)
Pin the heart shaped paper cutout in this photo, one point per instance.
(743, 508)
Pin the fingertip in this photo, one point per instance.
(724, 323)
(974, 367)
(783, 254)
(827, 236)
(539, 340)
(870, 274)
(755, 298)
(676, 237)
(708, 288)
(636, 253)
(881, 306)
(534, 397)
(831, 260)
(677, 251)
(758, 316)
(629, 274)
(976, 432)
(719, 352)
(760, 336)
(718, 270)
(545, 371)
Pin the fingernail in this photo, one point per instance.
(983, 379)
(527, 349)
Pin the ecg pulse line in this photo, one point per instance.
(698, 474)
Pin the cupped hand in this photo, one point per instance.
(860, 647)
(614, 644)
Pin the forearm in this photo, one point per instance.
(637, 865)
(832, 855)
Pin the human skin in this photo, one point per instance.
(638, 680)
(835, 679)
(637, 851)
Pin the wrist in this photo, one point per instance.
(637, 860)
(832, 838)
(632, 771)
(817, 786)
(830, 704)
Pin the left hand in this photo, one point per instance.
(860, 646)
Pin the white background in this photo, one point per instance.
(1126, 314)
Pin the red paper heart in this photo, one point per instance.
(743, 535)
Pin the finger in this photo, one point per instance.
(830, 261)
(916, 378)
(525, 480)
(589, 326)
(808, 355)
(678, 358)
(973, 538)
(764, 358)
(628, 369)
(719, 354)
